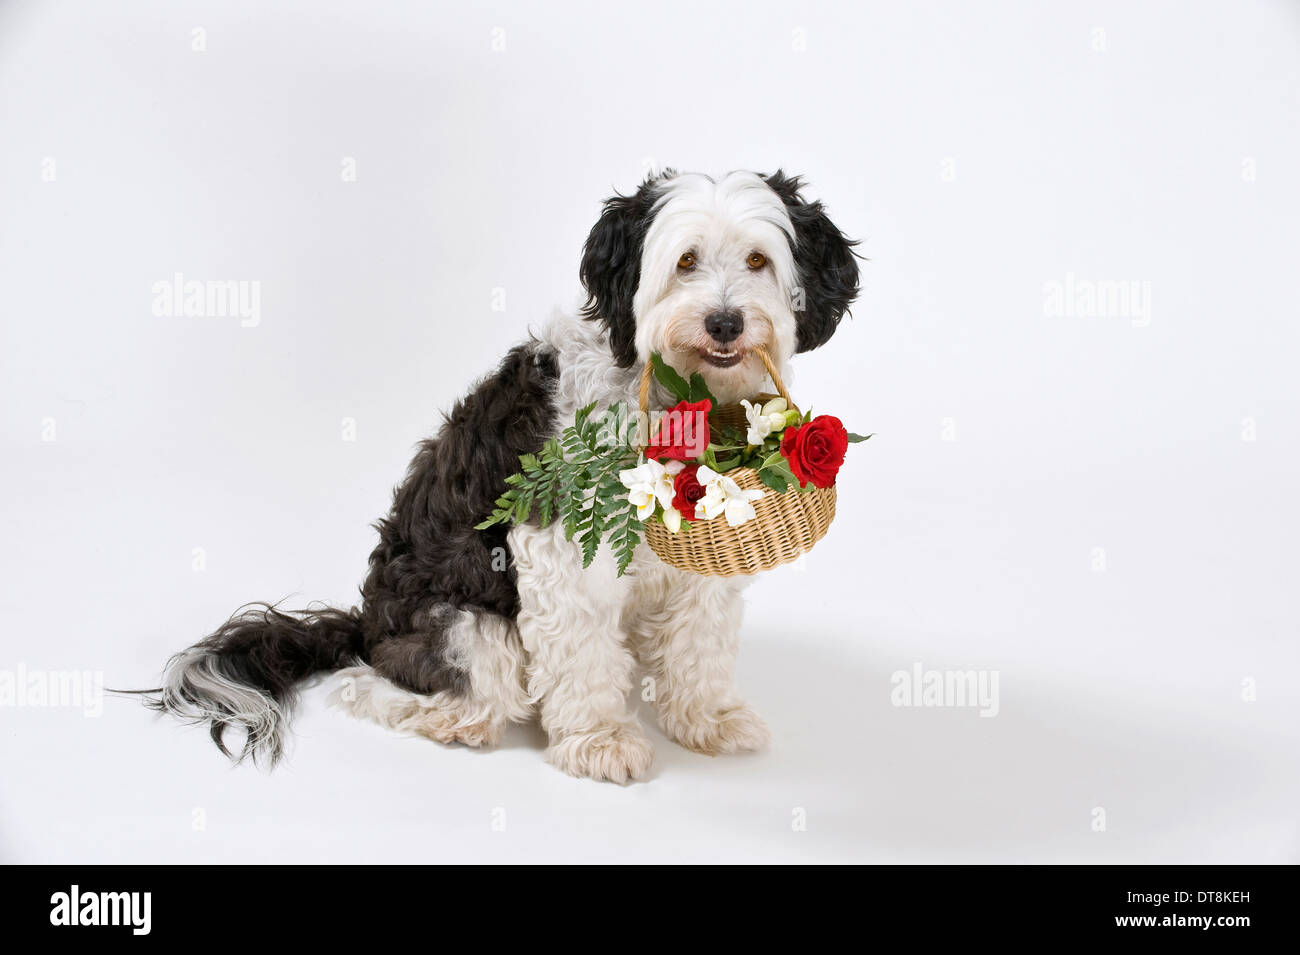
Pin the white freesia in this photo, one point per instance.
(649, 482)
(764, 420)
(723, 496)
(672, 519)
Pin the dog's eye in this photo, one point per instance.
(687, 261)
(756, 260)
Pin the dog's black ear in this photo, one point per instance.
(611, 264)
(825, 261)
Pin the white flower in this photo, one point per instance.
(724, 496)
(650, 482)
(765, 420)
(672, 519)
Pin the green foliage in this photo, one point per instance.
(699, 390)
(774, 471)
(575, 479)
(670, 379)
(682, 390)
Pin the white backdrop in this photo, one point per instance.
(1100, 506)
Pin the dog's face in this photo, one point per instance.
(704, 272)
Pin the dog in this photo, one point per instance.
(461, 631)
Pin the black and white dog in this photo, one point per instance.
(454, 642)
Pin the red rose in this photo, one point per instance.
(815, 450)
(687, 490)
(683, 432)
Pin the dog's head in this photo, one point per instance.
(703, 271)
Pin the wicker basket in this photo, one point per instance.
(785, 525)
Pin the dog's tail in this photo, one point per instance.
(246, 673)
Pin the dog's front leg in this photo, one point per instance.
(579, 667)
(686, 629)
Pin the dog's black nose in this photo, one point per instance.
(724, 326)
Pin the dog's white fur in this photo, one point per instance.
(572, 655)
(721, 223)
(490, 652)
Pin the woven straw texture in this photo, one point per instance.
(785, 526)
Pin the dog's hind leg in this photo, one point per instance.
(459, 681)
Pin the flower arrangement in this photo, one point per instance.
(605, 481)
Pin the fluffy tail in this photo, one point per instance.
(246, 674)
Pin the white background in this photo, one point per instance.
(980, 152)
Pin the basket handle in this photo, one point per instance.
(647, 375)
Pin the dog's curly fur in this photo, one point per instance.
(460, 631)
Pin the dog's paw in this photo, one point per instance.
(453, 727)
(616, 753)
(355, 691)
(442, 717)
(736, 728)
